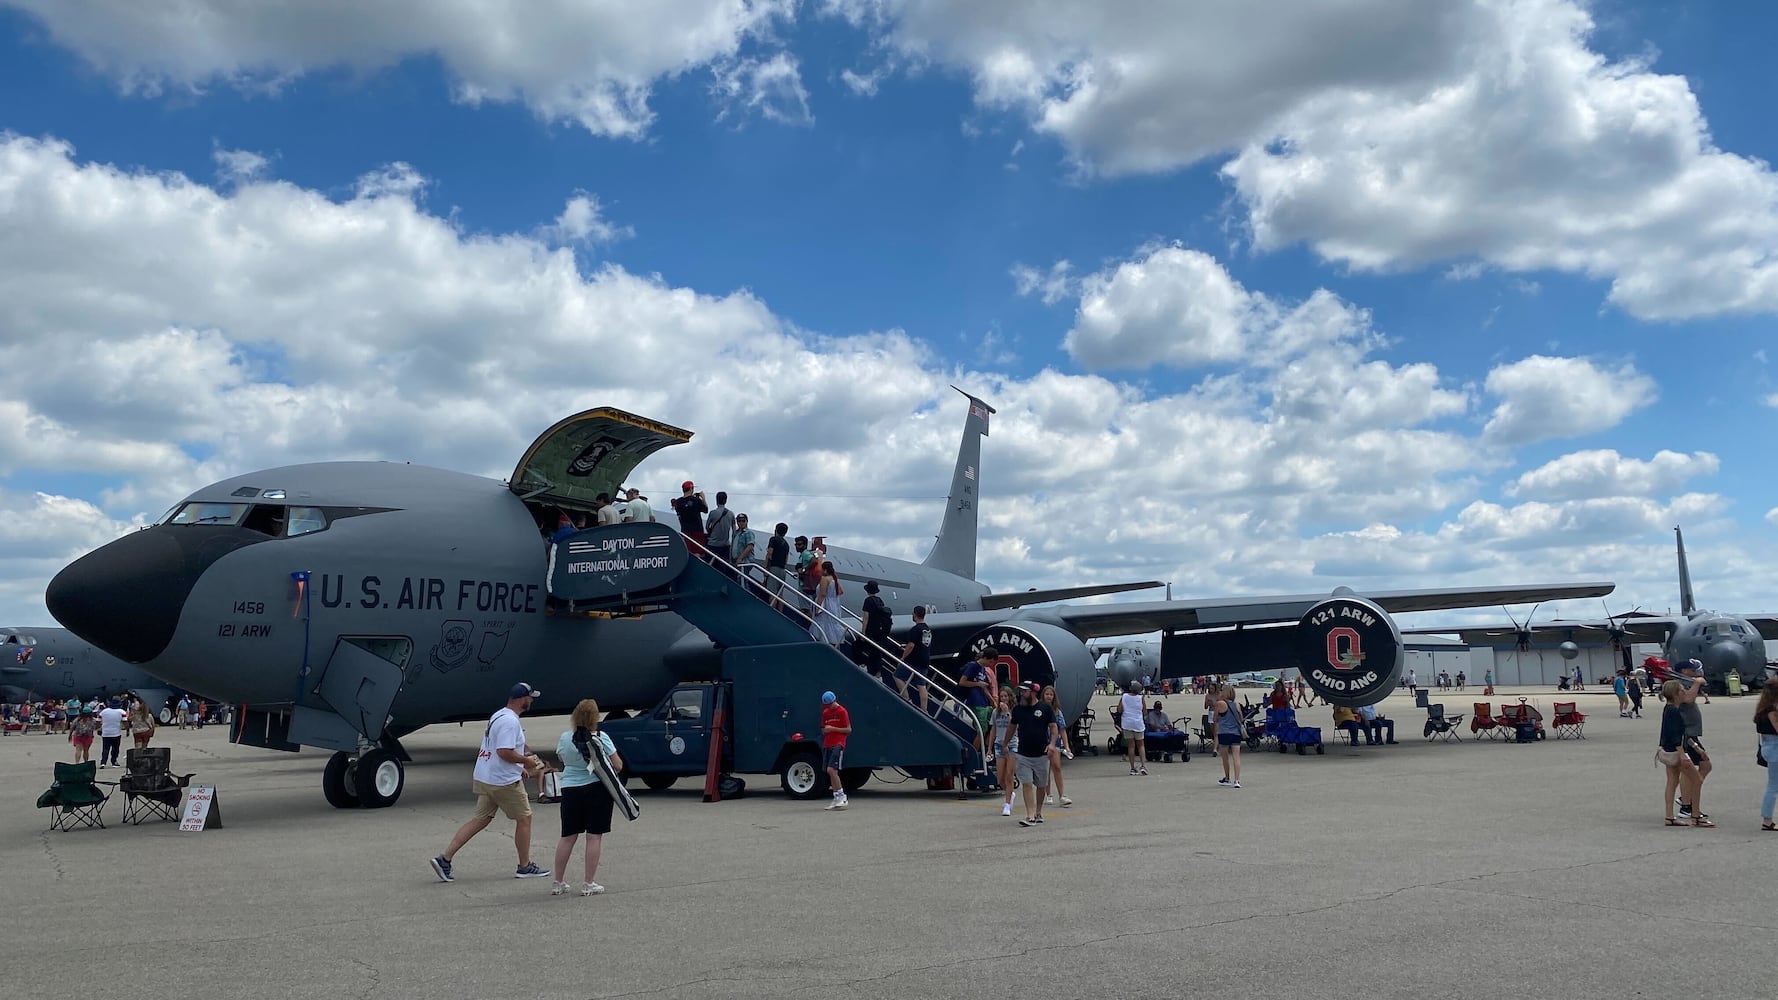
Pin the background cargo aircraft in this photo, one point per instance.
(1719, 640)
(423, 592)
(53, 663)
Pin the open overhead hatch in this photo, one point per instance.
(589, 453)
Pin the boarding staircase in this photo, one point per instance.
(767, 640)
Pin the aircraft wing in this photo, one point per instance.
(1090, 621)
(1637, 628)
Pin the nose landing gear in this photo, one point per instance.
(371, 779)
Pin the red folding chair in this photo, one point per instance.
(1481, 720)
(1568, 721)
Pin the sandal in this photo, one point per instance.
(1768, 826)
(1674, 822)
(1703, 823)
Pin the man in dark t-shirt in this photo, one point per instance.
(916, 656)
(691, 509)
(777, 560)
(1035, 724)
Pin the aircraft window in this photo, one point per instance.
(304, 520)
(204, 512)
(1738, 630)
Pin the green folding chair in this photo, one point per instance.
(75, 798)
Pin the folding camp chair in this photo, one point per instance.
(75, 798)
(151, 789)
(1481, 720)
(1568, 721)
(1440, 726)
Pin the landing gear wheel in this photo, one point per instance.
(166, 716)
(801, 775)
(378, 778)
(336, 782)
(659, 782)
(853, 778)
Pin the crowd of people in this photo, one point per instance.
(82, 722)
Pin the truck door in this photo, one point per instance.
(685, 718)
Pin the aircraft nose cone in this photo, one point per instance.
(126, 597)
(1724, 656)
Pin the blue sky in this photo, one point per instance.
(872, 236)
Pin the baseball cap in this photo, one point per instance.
(827, 698)
(523, 690)
(686, 485)
(1692, 665)
(1032, 686)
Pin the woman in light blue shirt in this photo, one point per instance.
(586, 805)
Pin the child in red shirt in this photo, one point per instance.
(835, 724)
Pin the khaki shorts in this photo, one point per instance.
(509, 799)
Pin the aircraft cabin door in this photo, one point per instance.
(352, 695)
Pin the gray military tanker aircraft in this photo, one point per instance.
(1721, 641)
(54, 664)
(420, 595)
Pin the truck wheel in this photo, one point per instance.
(801, 775)
(659, 782)
(853, 778)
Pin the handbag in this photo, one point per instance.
(1667, 758)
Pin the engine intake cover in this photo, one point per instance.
(1350, 651)
(1041, 652)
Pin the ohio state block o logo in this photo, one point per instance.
(1349, 651)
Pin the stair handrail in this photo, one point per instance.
(948, 693)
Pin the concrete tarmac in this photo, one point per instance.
(1413, 871)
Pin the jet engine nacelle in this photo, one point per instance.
(1349, 650)
(1041, 652)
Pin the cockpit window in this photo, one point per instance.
(205, 512)
(275, 520)
(303, 520)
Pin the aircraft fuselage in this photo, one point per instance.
(445, 571)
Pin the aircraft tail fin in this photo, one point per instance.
(1687, 604)
(954, 550)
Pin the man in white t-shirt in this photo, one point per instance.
(110, 734)
(636, 506)
(499, 785)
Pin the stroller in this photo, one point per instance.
(1281, 725)
(1156, 746)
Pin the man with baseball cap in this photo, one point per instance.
(1035, 723)
(836, 723)
(691, 509)
(499, 785)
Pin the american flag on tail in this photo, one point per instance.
(969, 472)
(978, 410)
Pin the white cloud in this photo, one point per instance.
(862, 84)
(1387, 134)
(239, 166)
(1530, 152)
(1170, 305)
(1543, 397)
(1051, 286)
(770, 88)
(1583, 475)
(583, 221)
(568, 60)
(1771, 400)
(1772, 516)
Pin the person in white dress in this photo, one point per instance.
(828, 627)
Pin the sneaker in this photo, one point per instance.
(1066, 801)
(1132, 772)
(833, 804)
(1235, 785)
(1026, 822)
(1222, 781)
(1037, 819)
(1142, 771)
(589, 889)
(442, 868)
(530, 870)
(558, 888)
(1006, 809)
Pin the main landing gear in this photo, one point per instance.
(370, 779)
